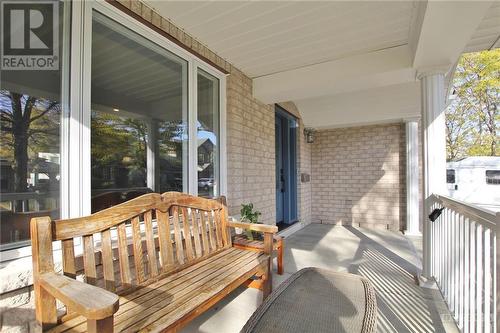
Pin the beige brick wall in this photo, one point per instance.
(358, 176)
(250, 149)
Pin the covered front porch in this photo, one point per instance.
(183, 96)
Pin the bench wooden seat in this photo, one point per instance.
(170, 281)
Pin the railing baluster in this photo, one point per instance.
(445, 254)
(472, 278)
(456, 269)
(441, 252)
(466, 275)
(479, 279)
(453, 290)
(461, 272)
(487, 280)
(496, 276)
(433, 243)
(448, 258)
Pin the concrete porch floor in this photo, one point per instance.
(386, 258)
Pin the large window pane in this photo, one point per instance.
(30, 154)
(208, 134)
(139, 116)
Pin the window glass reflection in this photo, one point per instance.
(139, 116)
(30, 150)
(208, 134)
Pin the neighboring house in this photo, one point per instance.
(206, 158)
(475, 180)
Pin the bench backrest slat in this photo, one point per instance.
(165, 240)
(211, 232)
(89, 259)
(123, 255)
(68, 256)
(196, 232)
(187, 234)
(107, 260)
(217, 226)
(204, 230)
(179, 249)
(137, 247)
(150, 243)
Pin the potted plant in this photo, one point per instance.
(250, 216)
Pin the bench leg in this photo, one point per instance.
(267, 280)
(46, 311)
(100, 326)
(280, 257)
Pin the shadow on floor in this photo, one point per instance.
(403, 305)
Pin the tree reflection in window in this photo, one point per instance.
(29, 163)
(30, 142)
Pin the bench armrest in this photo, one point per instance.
(254, 226)
(89, 301)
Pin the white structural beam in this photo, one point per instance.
(361, 72)
(366, 107)
(412, 178)
(445, 29)
(433, 149)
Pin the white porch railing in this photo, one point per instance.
(464, 262)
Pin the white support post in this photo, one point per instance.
(153, 165)
(496, 275)
(412, 179)
(434, 149)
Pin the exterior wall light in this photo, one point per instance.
(309, 134)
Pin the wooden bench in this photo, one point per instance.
(150, 264)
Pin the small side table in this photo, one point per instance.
(240, 241)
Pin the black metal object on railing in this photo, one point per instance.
(433, 216)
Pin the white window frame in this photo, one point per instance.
(75, 188)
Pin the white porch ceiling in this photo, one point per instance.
(266, 37)
(487, 34)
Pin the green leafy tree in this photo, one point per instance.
(473, 118)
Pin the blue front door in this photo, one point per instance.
(286, 170)
(280, 180)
